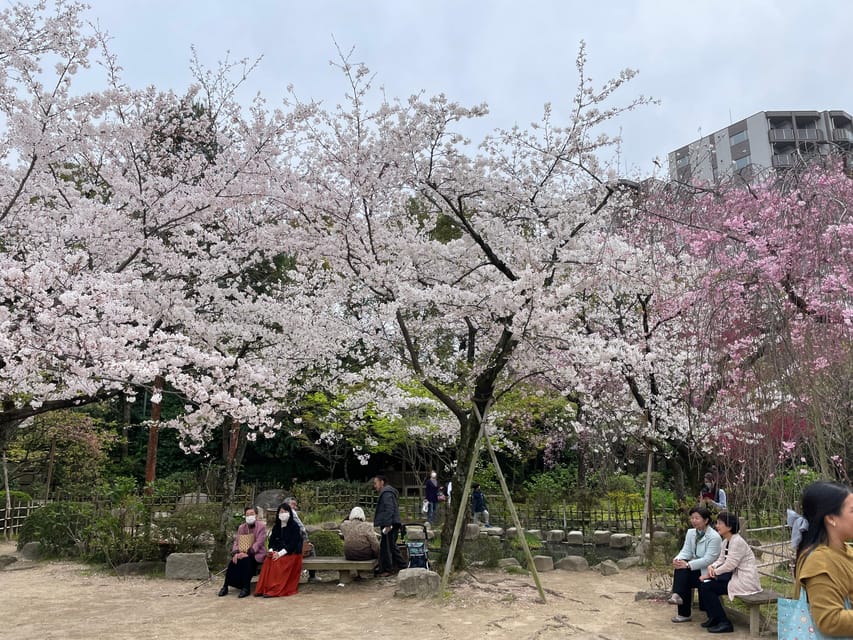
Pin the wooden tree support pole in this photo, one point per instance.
(521, 535)
(469, 479)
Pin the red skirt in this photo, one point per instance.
(280, 577)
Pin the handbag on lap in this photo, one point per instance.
(245, 542)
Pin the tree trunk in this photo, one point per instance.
(236, 448)
(153, 435)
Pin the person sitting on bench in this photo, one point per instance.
(247, 552)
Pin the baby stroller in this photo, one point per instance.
(417, 549)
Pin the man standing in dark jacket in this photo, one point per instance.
(387, 518)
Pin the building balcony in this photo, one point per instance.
(789, 135)
(781, 135)
(784, 159)
(842, 135)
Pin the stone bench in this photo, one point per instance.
(754, 602)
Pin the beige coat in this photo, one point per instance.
(360, 540)
(738, 560)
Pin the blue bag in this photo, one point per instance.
(794, 620)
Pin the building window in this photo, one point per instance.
(682, 161)
(740, 163)
(740, 136)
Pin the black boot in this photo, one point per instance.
(243, 592)
(224, 590)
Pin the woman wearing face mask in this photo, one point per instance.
(247, 553)
(283, 566)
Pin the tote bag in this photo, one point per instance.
(794, 620)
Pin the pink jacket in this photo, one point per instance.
(259, 547)
(740, 561)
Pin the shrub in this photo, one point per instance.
(122, 535)
(327, 543)
(60, 527)
(191, 527)
(17, 497)
(516, 549)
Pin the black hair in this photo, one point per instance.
(730, 520)
(702, 511)
(820, 499)
(381, 477)
(476, 485)
(245, 509)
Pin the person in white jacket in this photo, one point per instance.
(701, 547)
(734, 573)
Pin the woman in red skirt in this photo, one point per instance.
(283, 564)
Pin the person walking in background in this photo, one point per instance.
(824, 566)
(711, 495)
(701, 547)
(387, 518)
(283, 566)
(247, 552)
(431, 496)
(478, 505)
(734, 573)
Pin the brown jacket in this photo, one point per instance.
(360, 540)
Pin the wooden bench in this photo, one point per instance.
(340, 564)
(754, 602)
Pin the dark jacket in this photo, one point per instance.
(431, 490)
(387, 508)
(478, 502)
(288, 537)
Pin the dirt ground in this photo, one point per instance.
(69, 601)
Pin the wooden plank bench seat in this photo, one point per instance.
(754, 602)
(344, 567)
(340, 564)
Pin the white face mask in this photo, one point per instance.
(250, 519)
(284, 516)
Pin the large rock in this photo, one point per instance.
(536, 533)
(543, 563)
(574, 538)
(573, 563)
(601, 537)
(419, 583)
(628, 563)
(555, 535)
(621, 541)
(512, 532)
(270, 499)
(608, 568)
(503, 563)
(495, 531)
(472, 531)
(193, 498)
(5, 561)
(31, 550)
(187, 566)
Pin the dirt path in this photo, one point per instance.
(70, 601)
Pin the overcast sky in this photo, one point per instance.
(710, 63)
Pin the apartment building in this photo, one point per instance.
(777, 139)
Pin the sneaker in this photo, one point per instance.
(675, 599)
(681, 618)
